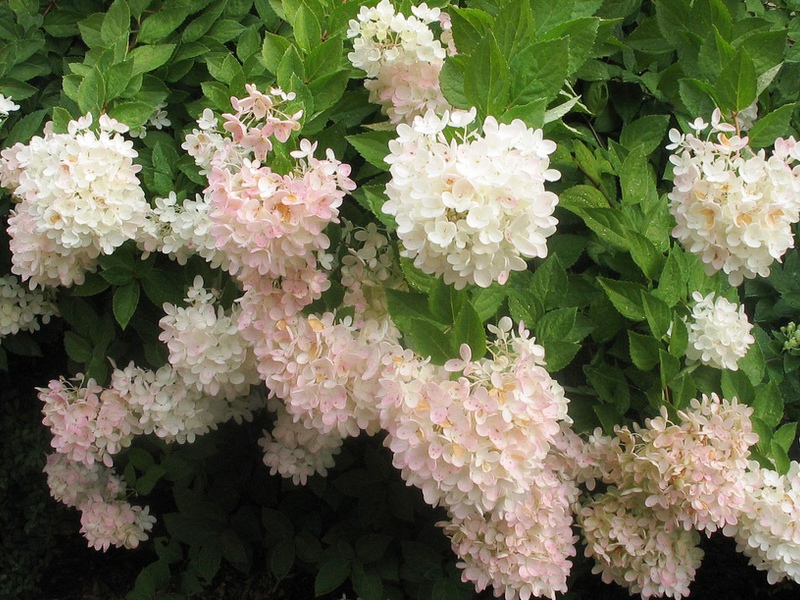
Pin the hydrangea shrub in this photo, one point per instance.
(539, 256)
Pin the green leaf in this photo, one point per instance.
(636, 178)
(325, 58)
(626, 297)
(160, 24)
(785, 436)
(672, 284)
(485, 301)
(771, 126)
(645, 134)
(698, 96)
(404, 307)
(373, 146)
(469, 26)
(658, 315)
(445, 302)
(331, 574)
(549, 283)
(307, 30)
(134, 113)
(91, 92)
(580, 197)
(208, 561)
(149, 58)
(116, 23)
(291, 64)
(610, 384)
(282, 558)
(539, 71)
(24, 129)
(514, 27)
(452, 81)
(147, 481)
(371, 547)
(487, 85)
(126, 299)
(367, 583)
(117, 78)
(679, 337)
(735, 384)
(581, 34)
(328, 90)
(273, 50)
(768, 404)
(669, 366)
(556, 325)
(427, 340)
(78, 349)
(468, 329)
(780, 457)
(644, 350)
(736, 84)
(202, 24)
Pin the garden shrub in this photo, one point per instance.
(342, 284)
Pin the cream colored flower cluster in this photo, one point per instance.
(734, 207)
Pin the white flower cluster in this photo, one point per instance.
(402, 59)
(79, 197)
(181, 230)
(206, 349)
(7, 106)
(769, 531)
(719, 332)
(107, 519)
(20, 309)
(734, 207)
(473, 208)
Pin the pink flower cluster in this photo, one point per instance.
(107, 519)
(476, 441)
(481, 438)
(667, 481)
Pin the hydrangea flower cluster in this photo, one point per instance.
(79, 197)
(296, 451)
(87, 424)
(476, 441)
(206, 349)
(768, 531)
(635, 547)
(268, 226)
(471, 207)
(671, 479)
(327, 372)
(181, 230)
(719, 332)
(107, 519)
(22, 310)
(402, 59)
(734, 207)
